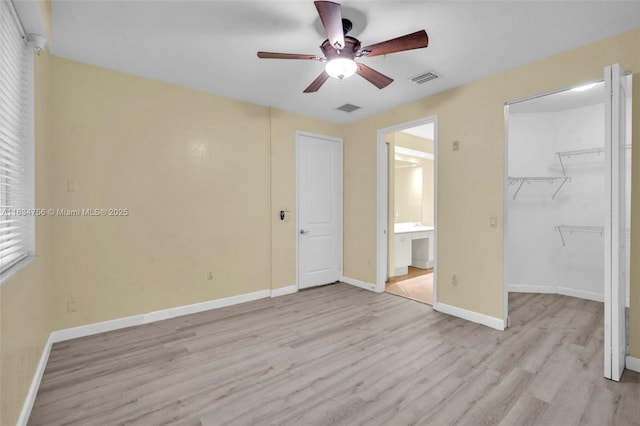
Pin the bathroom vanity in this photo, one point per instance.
(413, 245)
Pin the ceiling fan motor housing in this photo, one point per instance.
(352, 46)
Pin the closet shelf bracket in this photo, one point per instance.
(521, 180)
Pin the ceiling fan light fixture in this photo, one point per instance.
(341, 68)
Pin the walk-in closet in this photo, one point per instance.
(567, 195)
(556, 193)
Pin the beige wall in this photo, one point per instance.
(414, 142)
(204, 177)
(470, 180)
(45, 10)
(25, 300)
(193, 171)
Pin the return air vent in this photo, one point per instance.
(424, 77)
(348, 108)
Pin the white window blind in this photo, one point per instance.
(16, 143)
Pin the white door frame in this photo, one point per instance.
(505, 218)
(614, 231)
(340, 219)
(383, 202)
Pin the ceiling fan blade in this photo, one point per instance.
(411, 41)
(275, 55)
(331, 17)
(319, 81)
(374, 77)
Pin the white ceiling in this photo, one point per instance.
(425, 131)
(211, 45)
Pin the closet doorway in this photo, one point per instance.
(410, 210)
(567, 193)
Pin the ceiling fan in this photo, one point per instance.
(340, 50)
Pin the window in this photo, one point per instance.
(16, 144)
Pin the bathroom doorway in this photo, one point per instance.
(411, 210)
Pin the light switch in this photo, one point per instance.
(72, 185)
(493, 222)
(455, 145)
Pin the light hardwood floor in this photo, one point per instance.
(412, 272)
(416, 285)
(341, 355)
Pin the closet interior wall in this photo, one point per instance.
(556, 199)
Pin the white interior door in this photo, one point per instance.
(319, 188)
(615, 270)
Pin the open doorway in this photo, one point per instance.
(567, 210)
(410, 210)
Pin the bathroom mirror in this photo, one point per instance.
(408, 191)
(411, 183)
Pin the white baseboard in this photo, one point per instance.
(101, 327)
(554, 289)
(283, 291)
(517, 288)
(476, 317)
(633, 364)
(403, 270)
(589, 295)
(419, 263)
(35, 384)
(358, 283)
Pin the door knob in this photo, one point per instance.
(302, 232)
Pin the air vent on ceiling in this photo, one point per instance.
(348, 108)
(424, 77)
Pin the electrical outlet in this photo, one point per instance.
(71, 306)
(455, 145)
(209, 275)
(454, 279)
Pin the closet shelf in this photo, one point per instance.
(581, 228)
(521, 180)
(569, 154)
(577, 228)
